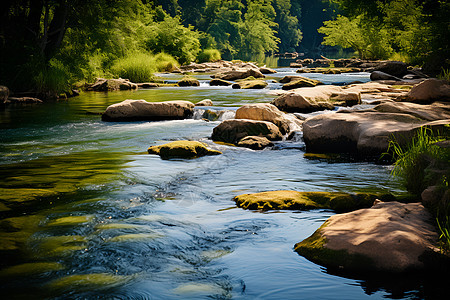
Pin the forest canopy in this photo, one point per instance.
(47, 45)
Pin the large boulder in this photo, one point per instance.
(365, 133)
(232, 131)
(141, 110)
(295, 102)
(250, 84)
(182, 149)
(293, 200)
(240, 73)
(378, 75)
(254, 142)
(394, 68)
(264, 112)
(429, 90)
(103, 85)
(300, 82)
(389, 237)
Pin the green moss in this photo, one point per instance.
(337, 201)
(61, 245)
(188, 81)
(31, 269)
(71, 221)
(88, 281)
(112, 226)
(14, 232)
(134, 237)
(250, 84)
(314, 249)
(182, 149)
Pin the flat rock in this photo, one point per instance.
(365, 133)
(239, 73)
(188, 81)
(388, 237)
(141, 110)
(265, 70)
(298, 102)
(232, 131)
(378, 75)
(182, 149)
(255, 142)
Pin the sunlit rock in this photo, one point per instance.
(182, 149)
(71, 220)
(232, 131)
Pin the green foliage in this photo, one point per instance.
(444, 233)
(165, 62)
(445, 74)
(208, 55)
(171, 37)
(288, 26)
(54, 79)
(413, 162)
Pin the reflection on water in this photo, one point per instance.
(86, 213)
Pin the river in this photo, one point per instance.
(86, 213)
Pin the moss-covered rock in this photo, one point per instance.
(188, 81)
(71, 220)
(31, 269)
(88, 281)
(300, 82)
(250, 84)
(284, 199)
(182, 149)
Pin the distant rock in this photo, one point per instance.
(182, 149)
(250, 84)
(103, 85)
(219, 82)
(378, 75)
(141, 110)
(300, 82)
(429, 90)
(188, 81)
(239, 74)
(254, 142)
(204, 102)
(232, 131)
(394, 68)
(265, 70)
(147, 85)
(389, 237)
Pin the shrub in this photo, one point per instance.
(54, 79)
(165, 62)
(208, 55)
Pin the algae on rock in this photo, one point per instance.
(182, 149)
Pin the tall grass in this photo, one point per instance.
(139, 66)
(445, 74)
(53, 79)
(209, 55)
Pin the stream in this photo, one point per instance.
(86, 213)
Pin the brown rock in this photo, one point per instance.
(205, 102)
(429, 90)
(265, 70)
(255, 142)
(219, 82)
(300, 82)
(239, 74)
(141, 110)
(264, 112)
(389, 237)
(250, 84)
(103, 85)
(296, 102)
(232, 131)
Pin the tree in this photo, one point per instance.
(288, 26)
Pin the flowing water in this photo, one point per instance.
(86, 213)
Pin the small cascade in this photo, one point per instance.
(213, 115)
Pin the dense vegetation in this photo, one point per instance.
(47, 45)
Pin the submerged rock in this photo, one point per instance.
(141, 110)
(182, 149)
(340, 202)
(232, 131)
(255, 142)
(389, 237)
